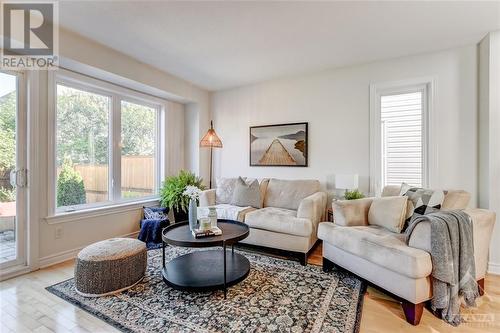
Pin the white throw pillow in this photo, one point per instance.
(388, 212)
(224, 189)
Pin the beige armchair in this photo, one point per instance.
(383, 258)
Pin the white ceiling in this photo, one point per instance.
(219, 45)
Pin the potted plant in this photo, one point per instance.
(173, 196)
(353, 195)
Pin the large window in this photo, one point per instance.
(399, 135)
(106, 143)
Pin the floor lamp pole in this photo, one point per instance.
(210, 181)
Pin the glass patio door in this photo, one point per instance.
(13, 172)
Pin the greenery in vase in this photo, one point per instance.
(172, 191)
(353, 195)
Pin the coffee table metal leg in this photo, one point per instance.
(163, 253)
(224, 254)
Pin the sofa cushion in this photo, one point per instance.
(391, 190)
(289, 193)
(263, 189)
(279, 220)
(379, 246)
(263, 182)
(351, 212)
(224, 188)
(246, 194)
(388, 212)
(226, 211)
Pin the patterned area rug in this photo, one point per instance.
(278, 296)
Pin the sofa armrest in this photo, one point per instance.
(207, 198)
(482, 223)
(313, 207)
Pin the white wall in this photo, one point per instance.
(78, 53)
(489, 136)
(336, 105)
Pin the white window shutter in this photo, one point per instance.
(402, 144)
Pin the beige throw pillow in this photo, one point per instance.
(246, 194)
(388, 212)
(351, 213)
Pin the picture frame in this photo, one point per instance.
(279, 145)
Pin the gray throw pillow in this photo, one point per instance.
(423, 201)
(246, 194)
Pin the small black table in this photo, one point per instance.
(205, 270)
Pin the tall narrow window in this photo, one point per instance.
(399, 133)
(82, 147)
(401, 129)
(138, 150)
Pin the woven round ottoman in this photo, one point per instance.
(110, 266)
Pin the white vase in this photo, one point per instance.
(193, 214)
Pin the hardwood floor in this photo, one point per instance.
(25, 306)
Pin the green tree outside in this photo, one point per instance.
(70, 188)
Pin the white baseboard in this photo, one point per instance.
(493, 268)
(12, 272)
(63, 256)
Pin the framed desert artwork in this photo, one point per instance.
(279, 145)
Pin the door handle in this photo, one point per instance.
(12, 178)
(19, 178)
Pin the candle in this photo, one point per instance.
(205, 223)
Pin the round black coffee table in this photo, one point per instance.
(210, 269)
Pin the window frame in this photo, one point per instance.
(116, 94)
(429, 151)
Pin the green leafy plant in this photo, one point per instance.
(7, 195)
(70, 187)
(353, 195)
(172, 191)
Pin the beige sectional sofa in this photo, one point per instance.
(287, 220)
(383, 258)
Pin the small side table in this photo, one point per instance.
(330, 214)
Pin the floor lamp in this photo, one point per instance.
(211, 140)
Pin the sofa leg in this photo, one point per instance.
(413, 312)
(480, 286)
(303, 259)
(327, 265)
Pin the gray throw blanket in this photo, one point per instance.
(453, 267)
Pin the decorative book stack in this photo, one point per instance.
(200, 233)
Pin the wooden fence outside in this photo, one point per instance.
(137, 177)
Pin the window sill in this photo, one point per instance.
(64, 217)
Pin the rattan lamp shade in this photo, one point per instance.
(211, 139)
